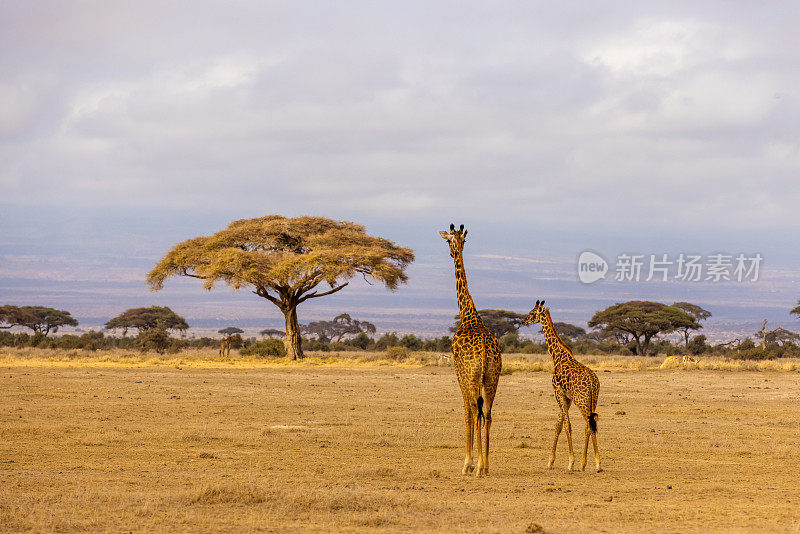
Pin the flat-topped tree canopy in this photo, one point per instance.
(272, 332)
(286, 260)
(146, 318)
(37, 318)
(231, 330)
(641, 321)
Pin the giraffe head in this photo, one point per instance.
(536, 314)
(455, 238)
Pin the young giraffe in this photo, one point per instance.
(476, 356)
(572, 382)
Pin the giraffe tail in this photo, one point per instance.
(480, 410)
(593, 422)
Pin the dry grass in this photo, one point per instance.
(99, 445)
(209, 358)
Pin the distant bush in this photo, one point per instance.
(155, 338)
(314, 344)
(753, 353)
(397, 353)
(697, 345)
(361, 341)
(177, 345)
(666, 348)
(7, 339)
(38, 339)
(387, 340)
(747, 344)
(512, 343)
(440, 344)
(265, 348)
(411, 342)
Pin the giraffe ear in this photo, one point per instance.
(465, 234)
(445, 235)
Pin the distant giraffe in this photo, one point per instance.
(476, 356)
(572, 382)
(225, 346)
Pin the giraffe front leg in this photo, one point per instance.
(468, 459)
(563, 404)
(559, 425)
(568, 430)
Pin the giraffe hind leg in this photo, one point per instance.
(594, 443)
(468, 467)
(585, 447)
(478, 417)
(488, 425)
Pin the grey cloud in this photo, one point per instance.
(548, 123)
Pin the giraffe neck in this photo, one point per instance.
(557, 349)
(466, 307)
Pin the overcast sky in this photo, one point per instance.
(653, 127)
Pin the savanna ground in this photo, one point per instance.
(118, 442)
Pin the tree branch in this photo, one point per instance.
(262, 292)
(323, 294)
(186, 273)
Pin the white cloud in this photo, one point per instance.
(526, 115)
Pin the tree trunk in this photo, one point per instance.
(638, 345)
(686, 335)
(292, 339)
(645, 345)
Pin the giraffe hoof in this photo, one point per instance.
(481, 471)
(599, 469)
(467, 470)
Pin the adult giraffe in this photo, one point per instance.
(476, 357)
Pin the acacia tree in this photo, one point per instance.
(270, 332)
(796, 309)
(146, 318)
(285, 260)
(229, 331)
(340, 326)
(782, 336)
(499, 322)
(37, 318)
(698, 313)
(9, 316)
(641, 320)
